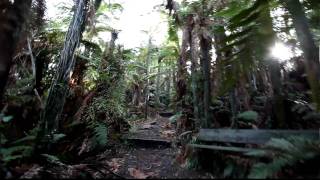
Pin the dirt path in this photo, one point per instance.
(149, 153)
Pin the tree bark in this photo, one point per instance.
(182, 72)
(157, 98)
(12, 19)
(219, 43)
(168, 84)
(205, 48)
(59, 87)
(194, 68)
(147, 84)
(107, 56)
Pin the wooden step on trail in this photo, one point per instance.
(166, 114)
(148, 141)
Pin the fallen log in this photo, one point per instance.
(252, 136)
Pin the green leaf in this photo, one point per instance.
(248, 12)
(280, 143)
(7, 119)
(230, 11)
(57, 137)
(228, 170)
(14, 149)
(238, 34)
(175, 117)
(11, 158)
(259, 171)
(52, 159)
(249, 116)
(249, 20)
(27, 138)
(3, 139)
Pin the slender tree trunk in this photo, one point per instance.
(182, 72)
(194, 69)
(59, 87)
(158, 84)
(33, 59)
(205, 48)
(136, 95)
(147, 84)
(219, 43)
(309, 48)
(219, 39)
(254, 81)
(278, 98)
(174, 85)
(169, 86)
(269, 38)
(107, 56)
(244, 92)
(12, 19)
(233, 106)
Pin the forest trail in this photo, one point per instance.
(149, 153)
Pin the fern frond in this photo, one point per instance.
(284, 152)
(100, 133)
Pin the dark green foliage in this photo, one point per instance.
(284, 153)
(248, 116)
(99, 134)
(18, 150)
(244, 41)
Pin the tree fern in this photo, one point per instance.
(284, 152)
(243, 45)
(99, 133)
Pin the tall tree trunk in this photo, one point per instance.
(205, 48)
(59, 87)
(309, 48)
(233, 106)
(254, 87)
(268, 39)
(147, 84)
(12, 19)
(107, 56)
(182, 71)
(242, 89)
(219, 43)
(194, 68)
(174, 81)
(157, 95)
(168, 90)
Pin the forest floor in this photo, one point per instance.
(149, 153)
(148, 150)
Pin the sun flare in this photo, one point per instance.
(281, 52)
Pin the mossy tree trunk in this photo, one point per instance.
(59, 87)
